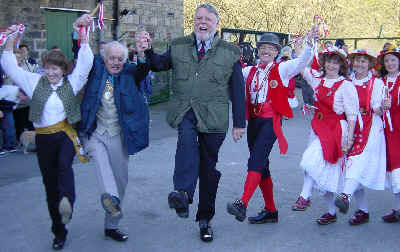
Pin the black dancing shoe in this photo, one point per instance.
(206, 232)
(115, 234)
(237, 209)
(179, 201)
(58, 243)
(263, 217)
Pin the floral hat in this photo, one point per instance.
(334, 50)
(391, 50)
(365, 52)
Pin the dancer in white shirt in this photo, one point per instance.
(54, 107)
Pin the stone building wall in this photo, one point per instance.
(162, 18)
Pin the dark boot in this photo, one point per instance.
(263, 217)
(237, 209)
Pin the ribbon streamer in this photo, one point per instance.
(5, 35)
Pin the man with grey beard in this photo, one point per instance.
(206, 75)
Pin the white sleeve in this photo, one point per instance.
(377, 95)
(246, 72)
(291, 68)
(9, 93)
(350, 100)
(84, 64)
(27, 81)
(309, 78)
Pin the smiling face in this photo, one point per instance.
(115, 59)
(267, 53)
(53, 73)
(332, 66)
(361, 65)
(205, 24)
(391, 63)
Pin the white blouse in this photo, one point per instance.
(53, 111)
(377, 91)
(345, 99)
(287, 70)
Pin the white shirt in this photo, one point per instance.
(53, 111)
(287, 70)
(346, 96)
(377, 91)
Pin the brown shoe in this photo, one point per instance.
(301, 204)
(342, 202)
(359, 217)
(392, 217)
(326, 219)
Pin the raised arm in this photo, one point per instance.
(27, 81)
(84, 63)
(291, 68)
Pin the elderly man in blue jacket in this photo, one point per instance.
(115, 120)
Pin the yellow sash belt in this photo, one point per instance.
(71, 133)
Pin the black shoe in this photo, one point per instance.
(179, 200)
(264, 216)
(58, 243)
(206, 232)
(237, 209)
(115, 234)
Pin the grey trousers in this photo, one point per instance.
(111, 160)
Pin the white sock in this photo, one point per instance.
(397, 195)
(307, 187)
(350, 186)
(329, 199)
(361, 199)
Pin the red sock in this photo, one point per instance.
(267, 189)
(252, 181)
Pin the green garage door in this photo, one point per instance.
(59, 30)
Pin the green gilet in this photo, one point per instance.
(202, 86)
(42, 93)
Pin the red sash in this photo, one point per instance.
(393, 137)
(361, 136)
(326, 123)
(277, 97)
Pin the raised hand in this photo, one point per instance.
(83, 21)
(143, 42)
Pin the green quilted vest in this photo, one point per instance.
(42, 93)
(202, 86)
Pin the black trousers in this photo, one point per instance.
(260, 140)
(55, 154)
(196, 158)
(22, 122)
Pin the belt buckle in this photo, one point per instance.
(363, 111)
(319, 115)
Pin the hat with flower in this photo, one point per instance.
(363, 52)
(333, 50)
(391, 50)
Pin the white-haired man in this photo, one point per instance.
(116, 121)
(206, 74)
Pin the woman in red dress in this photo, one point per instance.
(390, 72)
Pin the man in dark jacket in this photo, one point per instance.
(116, 120)
(206, 74)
